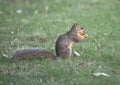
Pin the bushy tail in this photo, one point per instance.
(31, 53)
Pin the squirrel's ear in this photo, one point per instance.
(74, 26)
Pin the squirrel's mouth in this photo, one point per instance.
(82, 34)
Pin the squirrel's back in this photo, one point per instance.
(32, 52)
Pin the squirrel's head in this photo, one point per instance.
(78, 32)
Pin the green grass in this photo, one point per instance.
(99, 52)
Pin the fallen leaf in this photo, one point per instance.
(43, 39)
(46, 8)
(75, 53)
(5, 55)
(19, 11)
(101, 74)
(12, 32)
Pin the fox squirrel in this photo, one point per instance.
(63, 45)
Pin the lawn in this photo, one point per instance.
(38, 23)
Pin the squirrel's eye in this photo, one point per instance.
(82, 28)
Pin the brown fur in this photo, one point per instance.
(64, 42)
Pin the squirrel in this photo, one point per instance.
(63, 45)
